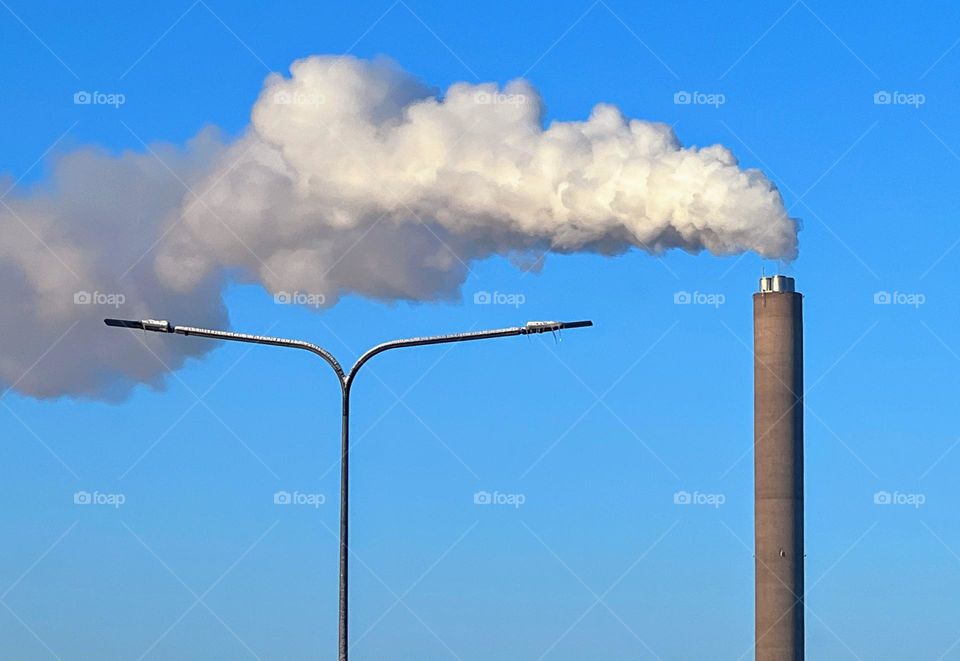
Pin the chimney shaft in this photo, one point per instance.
(778, 469)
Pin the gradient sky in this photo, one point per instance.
(596, 432)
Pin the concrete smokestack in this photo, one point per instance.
(778, 469)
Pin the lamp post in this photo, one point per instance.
(346, 381)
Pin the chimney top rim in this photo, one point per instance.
(777, 283)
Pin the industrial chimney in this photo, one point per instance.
(778, 469)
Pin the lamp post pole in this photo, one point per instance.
(346, 382)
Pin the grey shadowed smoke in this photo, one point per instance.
(345, 157)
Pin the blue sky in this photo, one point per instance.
(596, 432)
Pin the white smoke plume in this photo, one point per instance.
(353, 177)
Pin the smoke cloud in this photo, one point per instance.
(353, 177)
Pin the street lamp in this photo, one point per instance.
(346, 381)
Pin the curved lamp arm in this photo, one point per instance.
(531, 328)
(166, 327)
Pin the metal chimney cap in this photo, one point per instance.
(776, 283)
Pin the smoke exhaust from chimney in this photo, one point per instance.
(353, 177)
